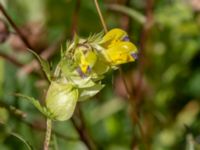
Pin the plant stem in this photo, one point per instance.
(78, 122)
(100, 16)
(75, 17)
(134, 113)
(11, 59)
(18, 31)
(48, 134)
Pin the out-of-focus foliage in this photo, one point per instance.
(170, 83)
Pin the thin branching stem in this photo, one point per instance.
(134, 113)
(12, 23)
(48, 134)
(78, 122)
(101, 16)
(11, 59)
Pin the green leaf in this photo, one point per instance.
(87, 93)
(29, 147)
(35, 103)
(130, 12)
(107, 109)
(82, 82)
(45, 65)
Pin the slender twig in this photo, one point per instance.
(141, 64)
(12, 23)
(82, 130)
(132, 101)
(11, 59)
(48, 134)
(131, 98)
(144, 37)
(101, 16)
(136, 118)
(75, 17)
(126, 20)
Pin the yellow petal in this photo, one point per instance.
(87, 61)
(113, 36)
(121, 52)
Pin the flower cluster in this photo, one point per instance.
(81, 68)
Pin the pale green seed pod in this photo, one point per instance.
(61, 100)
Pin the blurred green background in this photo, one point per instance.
(164, 82)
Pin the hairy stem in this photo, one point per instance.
(101, 16)
(48, 134)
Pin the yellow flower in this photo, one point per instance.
(118, 48)
(122, 52)
(114, 36)
(86, 59)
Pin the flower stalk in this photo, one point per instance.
(48, 134)
(101, 16)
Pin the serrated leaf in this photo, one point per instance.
(44, 64)
(29, 147)
(35, 103)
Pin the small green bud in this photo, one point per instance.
(61, 100)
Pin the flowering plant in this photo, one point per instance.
(80, 70)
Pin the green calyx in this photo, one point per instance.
(61, 100)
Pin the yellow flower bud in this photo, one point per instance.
(61, 100)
